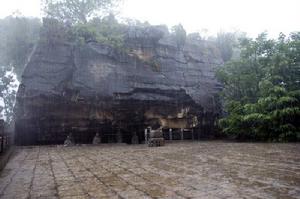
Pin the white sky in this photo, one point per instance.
(251, 16)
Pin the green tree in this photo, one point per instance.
(76, 11)
(18, 36)
(262, 90)
(194, 37)
(225, 42)
(105, 30)
(8, 84)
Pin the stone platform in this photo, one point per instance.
(177, 170)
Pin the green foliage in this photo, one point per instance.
(109, 30)
(106, 30)
(225, 42)
(194, 37)
(262, 90)
(83, 33)
(18, 36)
(7, 93)
(76, 11)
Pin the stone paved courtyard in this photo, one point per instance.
(177, 170)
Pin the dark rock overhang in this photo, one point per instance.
(152, 83)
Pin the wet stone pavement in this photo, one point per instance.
(177, 170)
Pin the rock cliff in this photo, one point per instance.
(95, 87)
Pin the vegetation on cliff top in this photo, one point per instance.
(77, 11)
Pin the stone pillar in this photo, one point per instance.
(170, 134)
(193, 134)
(181, 134)
(146, 136)
(119, 136)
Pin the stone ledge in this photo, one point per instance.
(5, 157)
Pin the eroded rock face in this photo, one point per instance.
(95, 88)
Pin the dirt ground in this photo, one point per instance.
(177, 170)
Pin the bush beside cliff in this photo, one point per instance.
(262, 90)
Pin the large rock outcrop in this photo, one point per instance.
(94, 87)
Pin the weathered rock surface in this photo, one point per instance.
(97, 88)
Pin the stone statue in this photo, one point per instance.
(69, 141)
(97, 139)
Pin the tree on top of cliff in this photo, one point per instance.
(76, 11)
(180, 35)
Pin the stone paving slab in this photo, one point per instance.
(178, 170)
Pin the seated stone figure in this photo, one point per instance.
(97, 139)
(69, 141)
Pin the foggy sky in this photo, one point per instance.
(251, 16)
